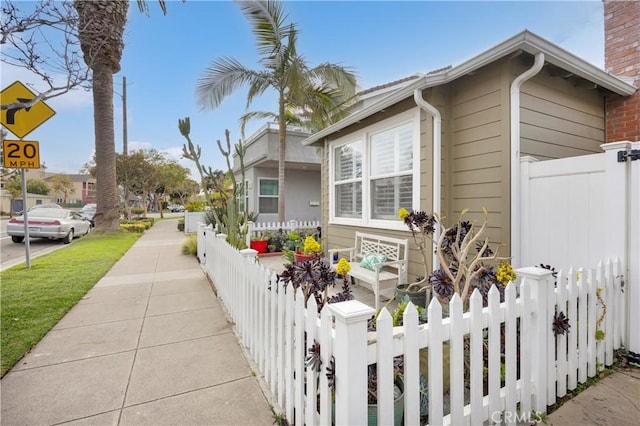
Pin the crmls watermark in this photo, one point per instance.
(526, 417)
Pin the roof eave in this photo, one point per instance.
(525, 41)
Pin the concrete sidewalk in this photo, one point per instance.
(615, 400)
(148, 345)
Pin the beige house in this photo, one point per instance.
(452, 140)
(84, 191)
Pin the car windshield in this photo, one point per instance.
(89, 207)
(55, 213)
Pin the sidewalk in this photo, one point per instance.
(615, 400)
(148, 345)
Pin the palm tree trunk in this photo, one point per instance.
(282, 132)
(107, 213)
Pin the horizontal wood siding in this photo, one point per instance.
(479, 167)
(560, 119)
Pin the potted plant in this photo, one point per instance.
(181, 224)
(310, 249)
(422, 227)
(259, 243)
(271, 248)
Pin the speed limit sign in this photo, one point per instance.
(20, 154)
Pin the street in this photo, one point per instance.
(11, 253)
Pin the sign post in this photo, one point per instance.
(22, 154)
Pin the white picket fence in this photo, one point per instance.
(262, 227)
(271, 322)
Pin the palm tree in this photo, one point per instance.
(101, 24)
(318, 93)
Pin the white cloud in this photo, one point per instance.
(77, 98)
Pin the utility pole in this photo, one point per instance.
(124, 116)
(125, 148)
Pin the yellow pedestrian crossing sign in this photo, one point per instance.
(19, 120)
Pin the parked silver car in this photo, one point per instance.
(49, 223)
(88, 212)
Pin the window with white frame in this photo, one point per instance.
(242, 197)
(374, 174)
(268, 196)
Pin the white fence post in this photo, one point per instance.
(541, 332)
(632, 264)
(616, 239)
(251, 226)
(350, 351)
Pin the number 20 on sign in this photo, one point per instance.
(20, 154)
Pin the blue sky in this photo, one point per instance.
(381, 40)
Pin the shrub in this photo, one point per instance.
(137, 210)
(133, 227)
(190, 245)
(195, 206)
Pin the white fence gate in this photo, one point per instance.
(578, 210)
(504, 362)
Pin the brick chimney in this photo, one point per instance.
(622, 59)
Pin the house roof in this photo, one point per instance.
(524, 41)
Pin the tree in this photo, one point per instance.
(101, 26)
(316, 92)
(42, 38)
(63, 185)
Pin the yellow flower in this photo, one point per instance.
(505, 273)
(403, 213)
(343, 267)
(311, 245)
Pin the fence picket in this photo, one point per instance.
(600, 289)
(608, 322)
(411, 363)
(434, 312)
(561, 341)
(582, 331)
(525, 347)
(311, 337)
(384, 336)
(326, 320)
(289, 336)
(456, 359)
(280, 347)
(572, 351)
(495, 401)
(510, 343)
(591, 323)
(476, 357)
(299, 354)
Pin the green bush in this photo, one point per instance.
(195, 206)
(137, 210)
(134, 227)
(190, 245)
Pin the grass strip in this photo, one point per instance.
(34, 300)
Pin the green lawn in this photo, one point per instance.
(34, 300)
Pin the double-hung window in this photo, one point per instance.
(376, 172)
(242, 197)
(268, 196)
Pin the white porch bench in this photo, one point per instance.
(394, 267)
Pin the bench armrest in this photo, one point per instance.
(400, 264)
(350, 250)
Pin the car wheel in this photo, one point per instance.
(17, 239)
(69, 237)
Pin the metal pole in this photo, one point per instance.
(27, 246)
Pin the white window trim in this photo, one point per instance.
(266, 196)
(412, 116)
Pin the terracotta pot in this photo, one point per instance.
(301, 257)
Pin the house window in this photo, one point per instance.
(373, 174)
(268, 196)
(242, 197)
